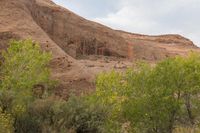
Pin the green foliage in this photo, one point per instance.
(40, 117)
(6, 122)
(27, 123)
(83, 116)
(77, 114)
(150, 106)
(24, 66)
(154, 99)
(110, 91)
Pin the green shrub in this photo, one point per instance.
(83, 116)
(45, 112)
(40, 117)
(78, 114)
(27, 123)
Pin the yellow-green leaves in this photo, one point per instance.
(154, 99)
(6, 122)
(109, 90)
(24, 66)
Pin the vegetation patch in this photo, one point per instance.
(144, 99)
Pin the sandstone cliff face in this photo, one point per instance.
(70, 37)
(16, 21)
(155, 48)
(170, 39)
(74, 34)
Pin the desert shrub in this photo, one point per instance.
(82, 116)
(42, 116)
(27, 123)
(78, 114)
(45, 111)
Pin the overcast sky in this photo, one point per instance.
(152, 17)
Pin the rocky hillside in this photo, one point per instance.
(71, 38)
(153, 48)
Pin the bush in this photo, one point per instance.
(27, 123)
(45, 111)
(82, 116)
(77, 114)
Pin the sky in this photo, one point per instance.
(152, 17)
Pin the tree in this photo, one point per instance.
(155, 99)
(24, 65)
(110, 88)
(164, 95)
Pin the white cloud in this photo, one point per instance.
(157, 17)
(129, 19)
(143, 16)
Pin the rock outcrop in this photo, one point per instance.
(74, 34)
(155, 48)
